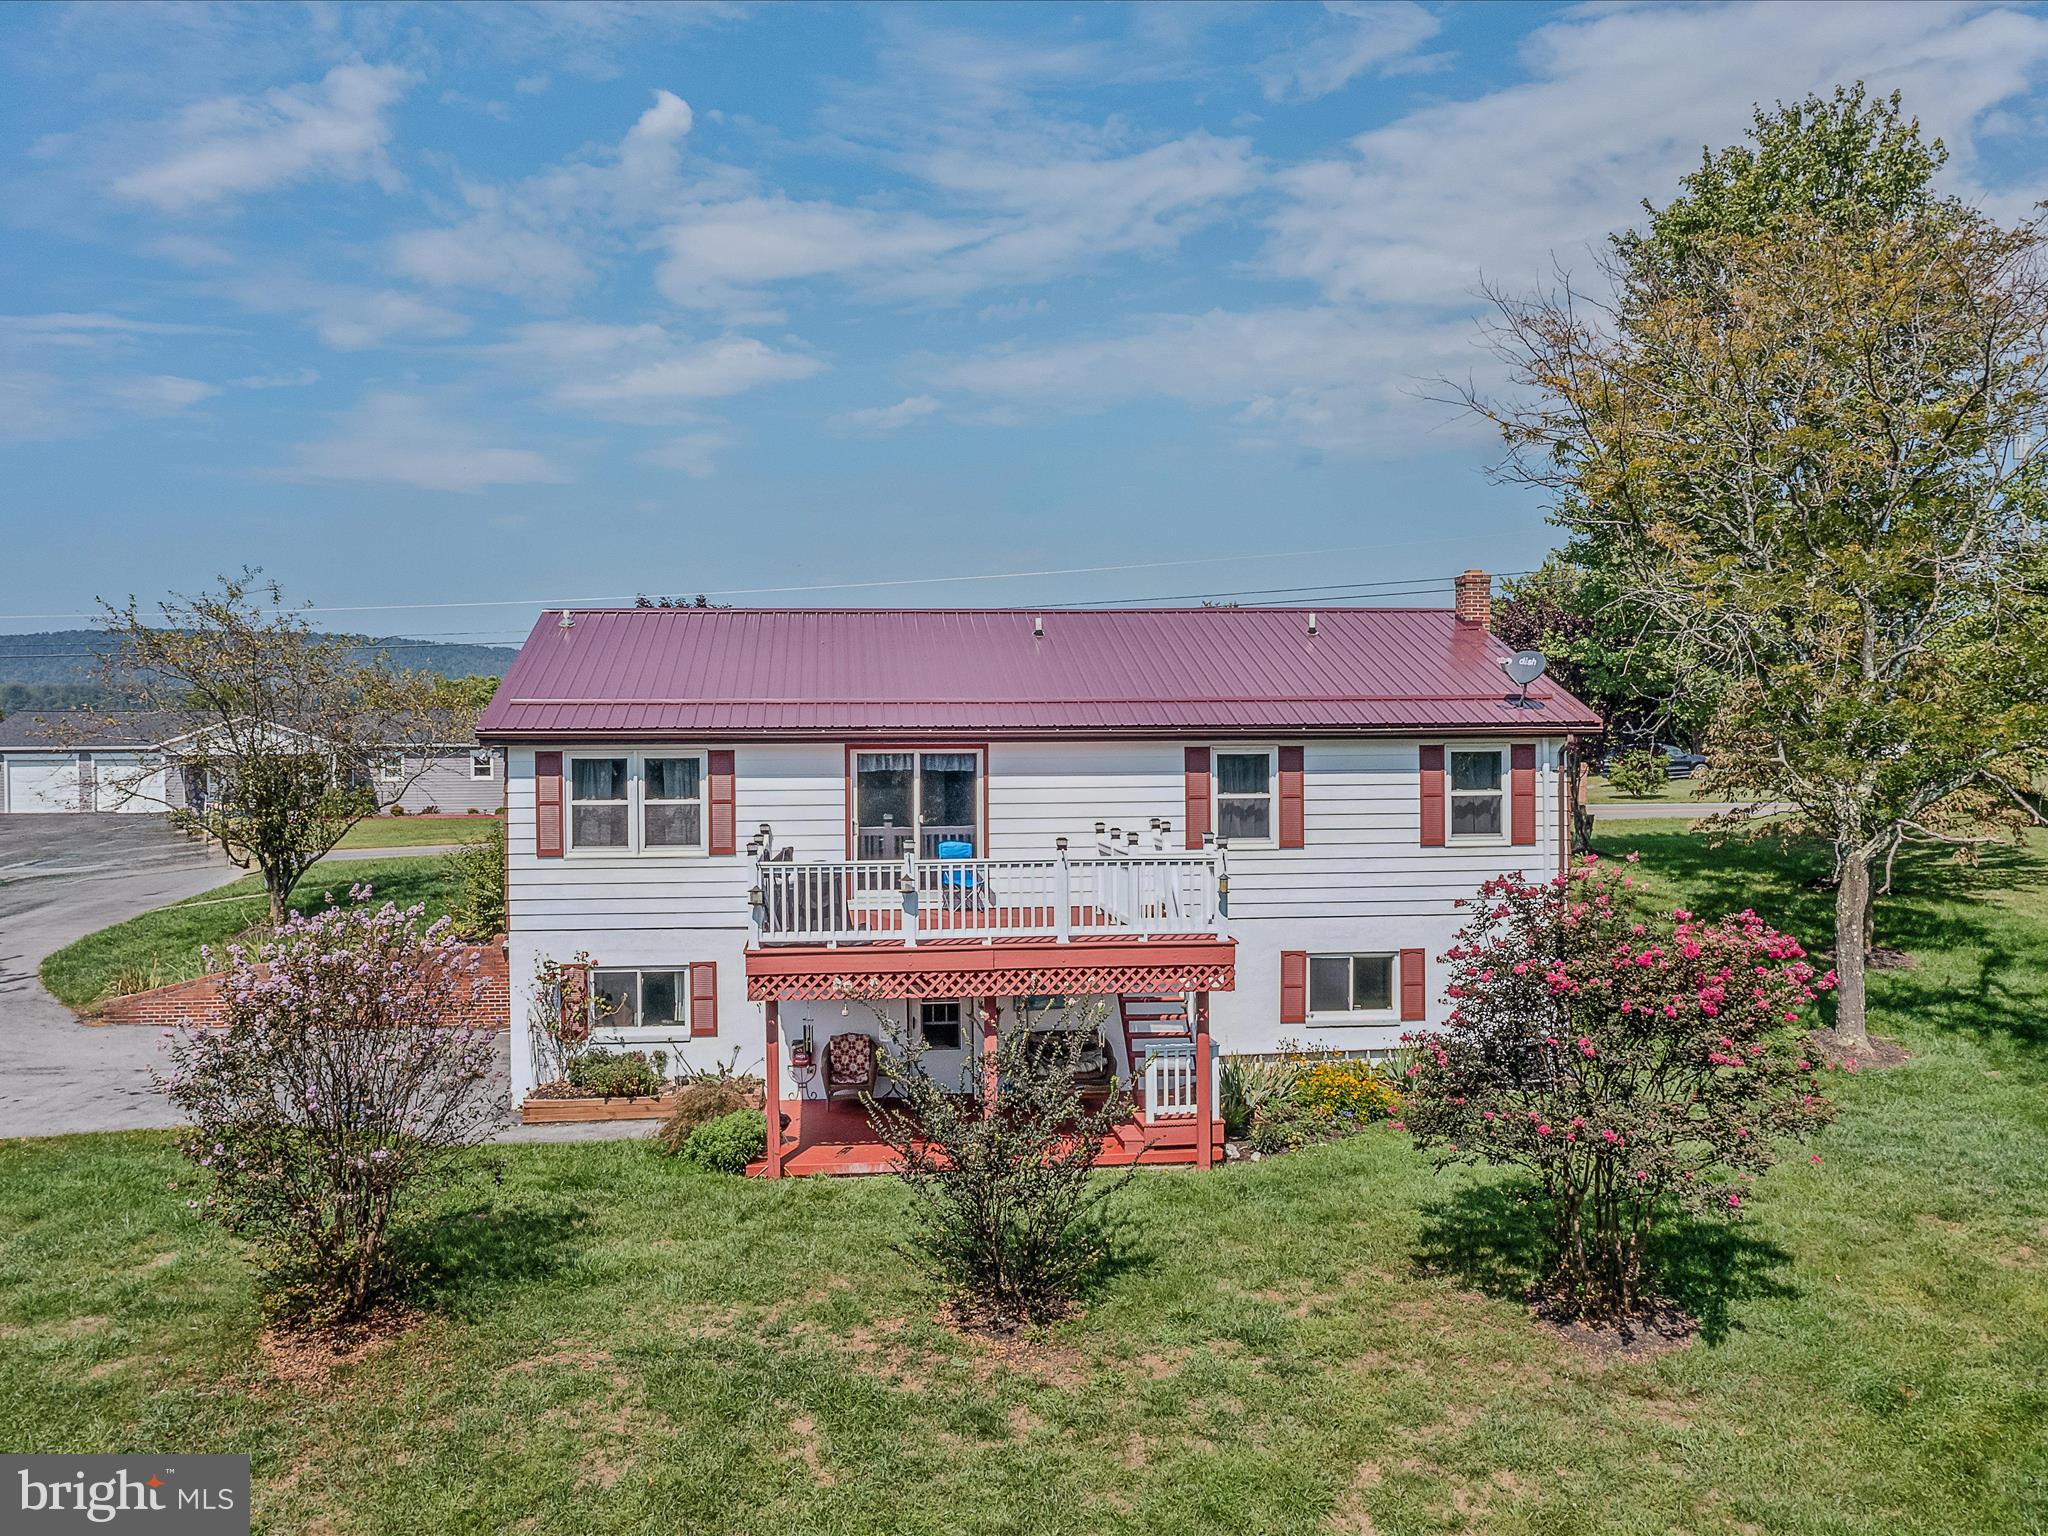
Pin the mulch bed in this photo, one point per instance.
(1827, 1046)
(1660, 1330)
(306, 1356)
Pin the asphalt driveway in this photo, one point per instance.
(62, 877)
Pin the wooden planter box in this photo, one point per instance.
(581, 1111)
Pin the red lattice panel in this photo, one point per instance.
(825, 985)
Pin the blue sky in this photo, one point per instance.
(447, 306)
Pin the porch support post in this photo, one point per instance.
(991, 1017)
(1205, 1150)
(771, 1097)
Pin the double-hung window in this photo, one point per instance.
(391, 767)
(1350, 987)
(600, 802)
(637, 802)
(1244, 795)
(1477, 794)
(655, 1000)
(480, 766)
(672, 802)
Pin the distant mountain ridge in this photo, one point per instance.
(58, 668)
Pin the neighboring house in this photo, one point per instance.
(1229, 828)
(139, 761)
(106, 763)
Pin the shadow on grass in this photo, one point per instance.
(1490, 1238)
(462, 1260)
(1975, 971)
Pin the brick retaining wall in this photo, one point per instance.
(198, 1002)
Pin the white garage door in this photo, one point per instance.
(124, 781)
(42, 783)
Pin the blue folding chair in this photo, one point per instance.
(958, 888)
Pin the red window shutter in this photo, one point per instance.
(1432, 797)
(703, 998)
(1522, 767)
(547, 805)
(1292, 833)
(1293, 986)
(1414, 1000)
(1197, 760)
(719, 803)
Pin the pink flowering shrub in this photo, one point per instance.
(1633, 1063)
(333, 1091)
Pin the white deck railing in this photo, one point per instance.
(852, 901)
(1169, 1081)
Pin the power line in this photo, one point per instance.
(827, 586)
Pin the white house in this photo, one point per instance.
(768, 829)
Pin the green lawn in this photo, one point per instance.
(163, 946)
(417, 831)
(1327, 1341)
(1674, 792)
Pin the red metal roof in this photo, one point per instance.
(674, 672)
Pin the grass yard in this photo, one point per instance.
(418, 831)
(1673, 792)
(1326, 1341)
(163, 946)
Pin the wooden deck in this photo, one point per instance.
(834, 1137)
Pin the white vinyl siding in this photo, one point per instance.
(1361, 885)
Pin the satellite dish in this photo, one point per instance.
(1523, 668)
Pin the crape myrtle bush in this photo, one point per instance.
(1007, 1213)
(1633, 1063)
(332, 1094)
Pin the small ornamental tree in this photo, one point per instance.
(1638, 774)
(337, 1089)
(1008, 1212)
(1633, 1064)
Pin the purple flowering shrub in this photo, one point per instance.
(1633, 1063)
(336, 1089)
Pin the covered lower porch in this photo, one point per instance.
(1149, 1000)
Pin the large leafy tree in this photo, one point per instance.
(287, 735)
(1803, 440)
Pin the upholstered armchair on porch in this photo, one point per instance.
(849, 1065)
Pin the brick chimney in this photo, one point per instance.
(1475, 599)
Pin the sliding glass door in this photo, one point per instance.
(915, 799)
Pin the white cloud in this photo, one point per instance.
(296, 378)
(349, 318)
(1354, 36)
(1325, 376)
(394, 438)
(1398, 232)
(1617, 105)
(92, 329)
(162, 394)
(237, 145)
(535, 238)
(190, 251)
(694, 453)
(644, 372)
(887, 418)
(728, 366)
(1017, 222)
